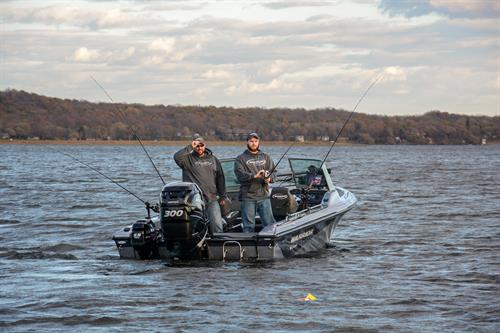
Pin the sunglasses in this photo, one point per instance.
(201, 145)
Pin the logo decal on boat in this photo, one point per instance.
(302, 235)
(173, 213)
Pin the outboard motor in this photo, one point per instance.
(182, 218)
(144, 238)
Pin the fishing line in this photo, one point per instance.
(130, 127)
(350, 115)
(338, 135)
(276, 165)
(102, 174)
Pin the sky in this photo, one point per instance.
(430, 54)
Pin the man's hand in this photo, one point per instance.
(260, 174)
(194, 143)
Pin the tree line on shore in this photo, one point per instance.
(25, 115)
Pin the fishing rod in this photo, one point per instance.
(149, 207)
(269, 173)
(345, 123)
(102, 174)
(350, 116)
(130, 127)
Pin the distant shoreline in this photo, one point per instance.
(184, 142)
(162, 142)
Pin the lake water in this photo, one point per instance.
(420, 252)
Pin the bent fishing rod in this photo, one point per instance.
(350, 116)
(99, 172)
(130, 127)
(146, 203)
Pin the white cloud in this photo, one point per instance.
(166, 45)
(221, 52)
(127, 54)
(274, 86)
(167, 49)
(216, 74)
(115, 18)
(279, 66)
(83, 54)
(61, 14)
(395, 73)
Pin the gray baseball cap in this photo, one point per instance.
(253, 135)
(197, 137)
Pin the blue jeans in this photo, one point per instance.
(248, 210)
(214, 215)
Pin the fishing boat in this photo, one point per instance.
(306, 205)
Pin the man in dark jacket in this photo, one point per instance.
(252, 170)
(201, 167)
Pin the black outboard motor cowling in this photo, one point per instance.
(182, 218)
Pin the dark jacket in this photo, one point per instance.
(206, 171)
(245, 168)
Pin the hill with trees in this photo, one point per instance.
(26, 115)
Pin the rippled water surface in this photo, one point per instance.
(420, 252)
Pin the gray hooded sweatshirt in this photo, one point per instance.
(206, 171)
(245, 168)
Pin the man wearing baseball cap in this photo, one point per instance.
(252, 170)
(201, 167)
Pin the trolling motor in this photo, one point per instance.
(183, 222)
(144, 238)
(144, 235)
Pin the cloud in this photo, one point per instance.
(392, 73)
(73, 15)
(175, 49)
(293, 4)
(409, 8)
(274, 86)
(453, 9)
(216, 74)
(468, 8)
(297, 53)
(166, 45)
(83, 54)
(165, 49)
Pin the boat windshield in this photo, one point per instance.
(231, 180)
(307, 173)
